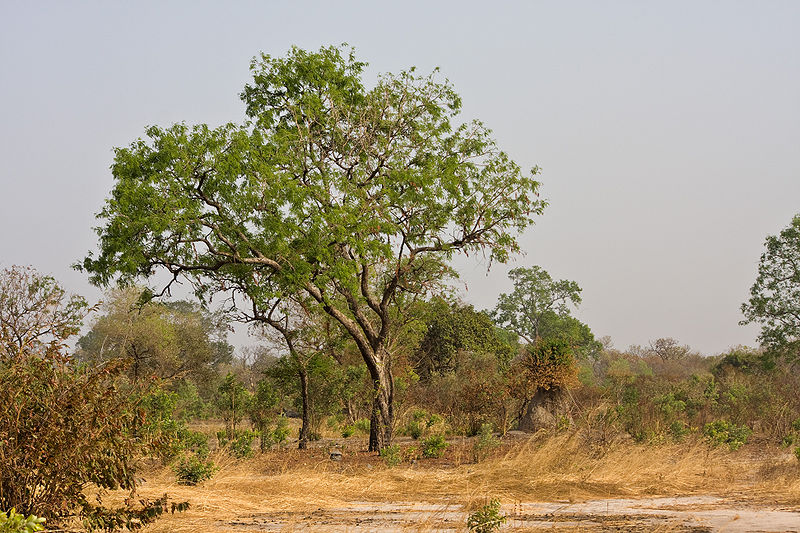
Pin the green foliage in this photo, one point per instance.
(281, 430)
(169, 340)
(775, 296)
(193, 469)
(189, 405)
(434, 446)
(721, 432)
(535, 295)
(241, 446)
(485, 442)
(352, 196)
(263, 411)
(13, 522)
(232, 401)
(452, 329)
(391, 455)
(487, 518)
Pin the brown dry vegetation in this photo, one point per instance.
(561, 467)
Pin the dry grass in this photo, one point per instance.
(562, 467)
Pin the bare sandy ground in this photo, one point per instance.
(687, 513)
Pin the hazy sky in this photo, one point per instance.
(668, 133)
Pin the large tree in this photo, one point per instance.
(775, 296)
(347, 194)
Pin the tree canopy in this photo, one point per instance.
(536, 304)
(352, 195)
(35, 311)
(775, 296)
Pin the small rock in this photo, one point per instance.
(336, 455)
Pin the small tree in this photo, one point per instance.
(536, 296)
(775, 296)
(262, 411)
(233, 402)
(35, 312)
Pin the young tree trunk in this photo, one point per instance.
(302, 442)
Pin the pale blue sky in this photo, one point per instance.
(668, 132)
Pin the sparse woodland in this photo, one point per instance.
(326, 223)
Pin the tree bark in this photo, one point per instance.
(382, 421)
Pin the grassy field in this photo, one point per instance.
(284, 489)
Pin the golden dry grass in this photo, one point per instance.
(561, 467)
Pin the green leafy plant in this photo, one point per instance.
(484, 443)
(391, 455)
(433, 447)
(242, 444)
(487, 518)
(192, 470)
(13, 522)
(723, 432)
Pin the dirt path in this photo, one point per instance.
(688, 513)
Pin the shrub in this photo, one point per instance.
(797, 452)
(13, 522)
(362, 426)
(281, 431)
(222, 438)
(192, 470)
(242, 444)
(433, 447)
(66, 427)
(722, 432)
(391, 455)
(414, 429)
(487, 518)
(484, 443)
(411, 454)
(348, 431)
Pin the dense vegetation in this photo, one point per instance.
(327, 223)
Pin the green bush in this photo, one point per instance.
(194, 441)
(797, 452)
(222, 438)
(433, 447)
(486, 519)
(484, 443)
(242, 444)
(281, 431)
(391, 455)
(13, 522)
(723, 432)
(192, 470)
(362, 426)
(414, 429)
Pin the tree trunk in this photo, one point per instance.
(382, 421)
(545, 411)
(302, 441)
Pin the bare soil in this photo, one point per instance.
(683, 513)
